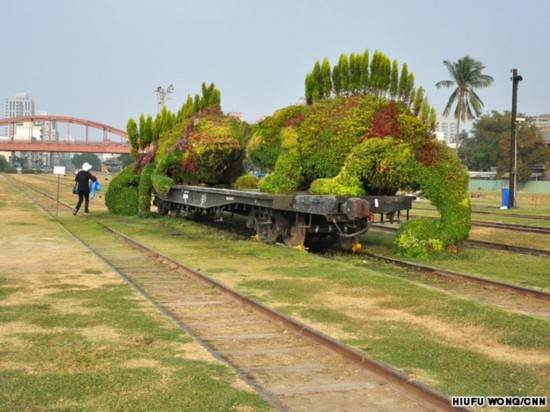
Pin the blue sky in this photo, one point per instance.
(102, 59)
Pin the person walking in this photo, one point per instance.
(82, 179)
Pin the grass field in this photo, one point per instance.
(459, 344)
(74, 336)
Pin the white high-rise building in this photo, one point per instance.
(446, 128)
(542, 121)
(21, 105)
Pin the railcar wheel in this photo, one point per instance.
(347, 243)
(296, 233)
(162, 207)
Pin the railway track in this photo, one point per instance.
(519, 228)
(487, 245)
(442, 273)
(292, 365)
(483, 212)
(447, 274)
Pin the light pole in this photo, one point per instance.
(516, 78)
(161, 95)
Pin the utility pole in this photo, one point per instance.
(161, 95)
(516, 78)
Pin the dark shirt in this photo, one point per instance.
(83, 179)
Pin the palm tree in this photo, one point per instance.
(466, 75)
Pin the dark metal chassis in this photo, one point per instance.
(288, 217)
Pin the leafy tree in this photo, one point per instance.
(91, 158)
(481, 151)
(466, 76)
(532, 151)
(4, 164)
(126, 159)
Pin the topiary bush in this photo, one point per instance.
(375, 166)
(145, 187)
(287, 175)
(198, 145)
(122, 196)
(161, 183)
(205, 152)
(246, 181)
(264, 146)
(444, 180)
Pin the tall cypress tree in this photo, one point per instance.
(133, 137)
(403, 83)
(353, 80)
(217, 98)
(317, 81)
(375, 72)
(394, 81)
(385, 73)
(364, 78)
(310, 87)
(141, 133)
(336, 81)
(344, 73)
(197, 104)
(187, 109)
(146, 134)
(418, 101)
(410, 86)
(358, 61)
(326, 80)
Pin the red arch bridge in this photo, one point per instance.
(42, 134)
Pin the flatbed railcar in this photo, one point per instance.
(287, 217)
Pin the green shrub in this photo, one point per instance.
(443, 179)
(287, 175)
(419, 238)
(246, 181)
(122, 196)
(375, 166)
(203, 150)
(145, 187)
(161, 183)
(265, 145)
